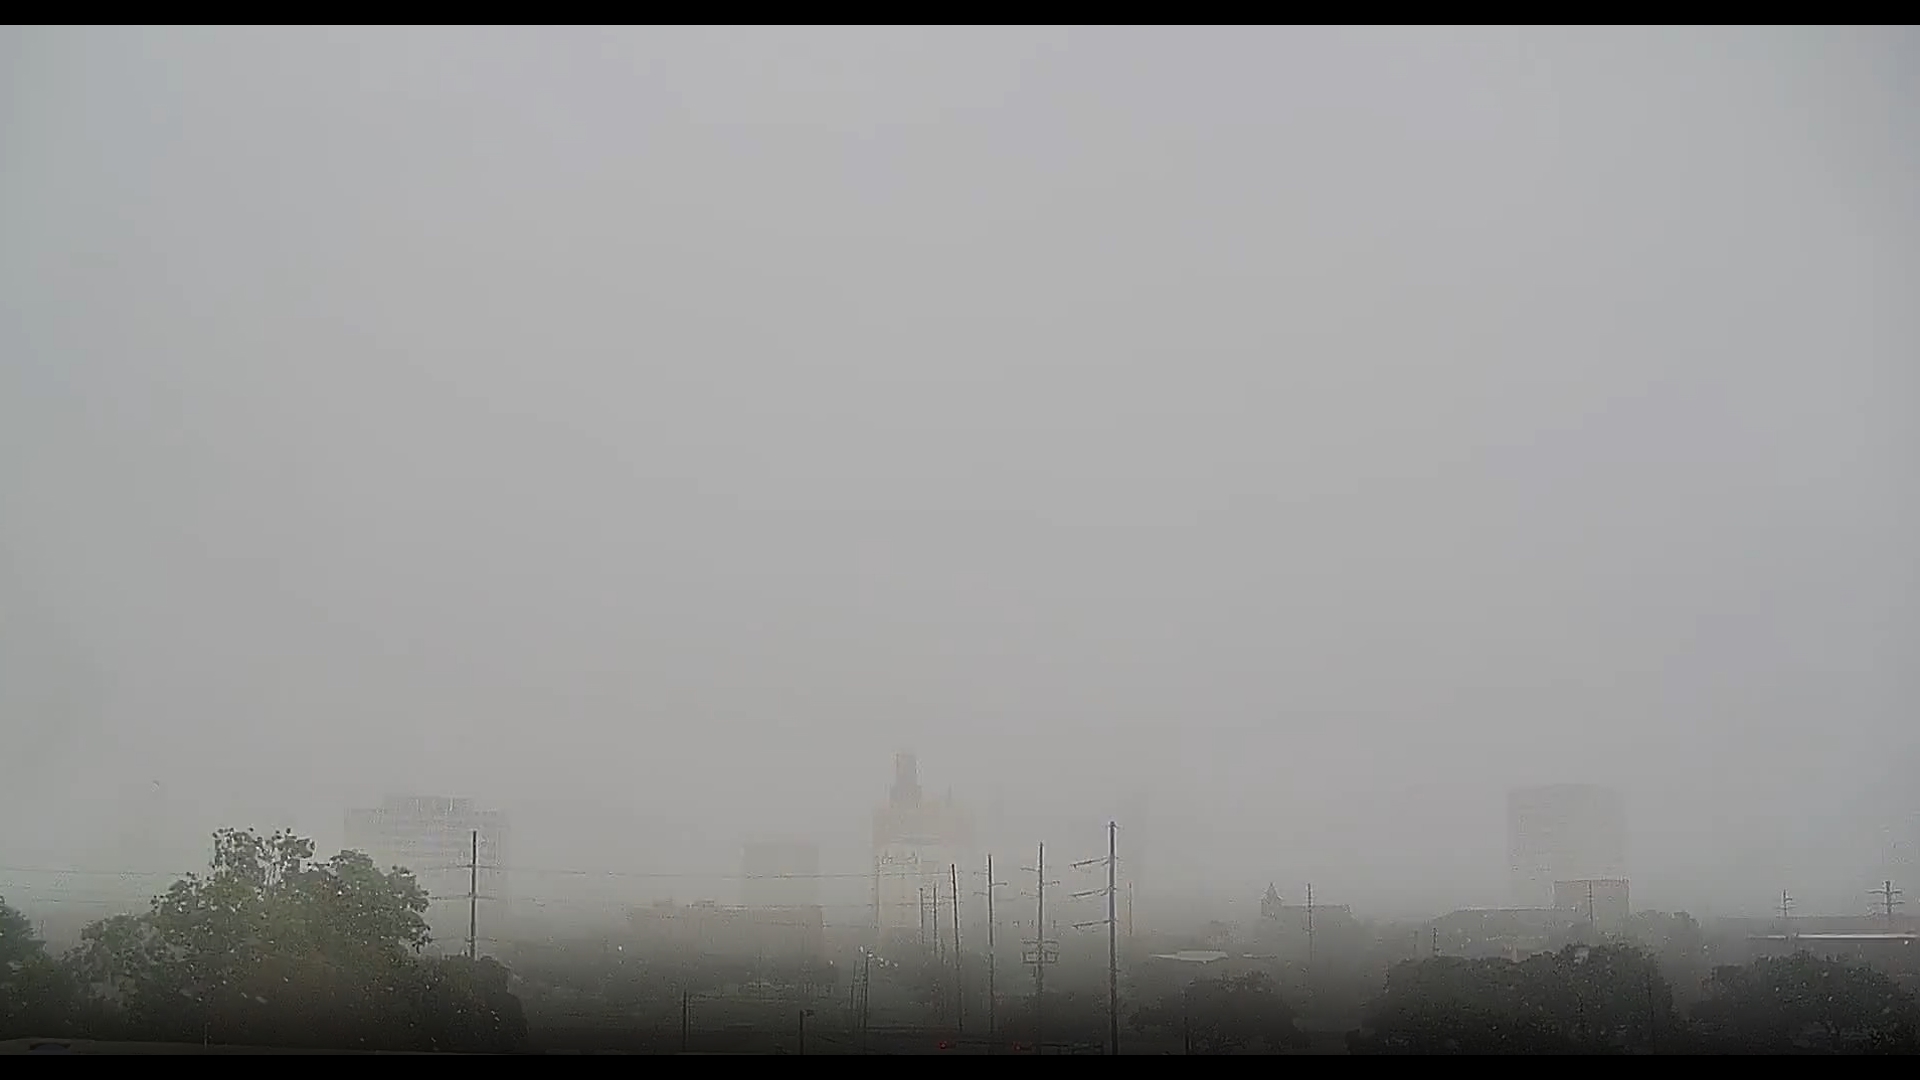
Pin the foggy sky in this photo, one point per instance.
(649, 432)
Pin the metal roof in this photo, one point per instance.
(1192, 956)
(1869, 936)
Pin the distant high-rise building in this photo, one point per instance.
(1563, 832)
(433, 837)
(916, 844)
(780, 874)
(1136, 835)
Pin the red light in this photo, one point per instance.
(945, 1045)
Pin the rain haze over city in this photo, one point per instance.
(1288, 444)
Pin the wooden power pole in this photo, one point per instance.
(992, 990)
(1043, 952)
(473, 899)
(959, 973)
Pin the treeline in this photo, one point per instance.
(268, 948)
(1612, 999)
(273, 948)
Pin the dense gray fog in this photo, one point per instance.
(1305, 434)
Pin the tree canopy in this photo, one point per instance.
(270, 947)
(1582, 999)
(1223, 1015)
(33, 990)
(1778, 1004)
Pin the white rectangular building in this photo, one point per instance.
(1563, 832)
(434, 838)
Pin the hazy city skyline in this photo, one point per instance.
(650, 432)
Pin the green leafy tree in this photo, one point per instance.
(1069, 1018)
(466, 1005)
(34, 992)
(1680, 945)
(1582, 999)
(270, 947)
(1224, 1015)
(1778, 1004)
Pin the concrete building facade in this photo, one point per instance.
(1563, 832)
(917, 842)
(433, 837)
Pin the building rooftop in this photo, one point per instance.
(1192, 956)
(1893, 935)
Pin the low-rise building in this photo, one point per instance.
(1513, 933)
(708, 929)
(1600, 902)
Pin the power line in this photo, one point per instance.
(41, 895)
(530, 871)
(688, 911)
(70, 871)
(675, 875)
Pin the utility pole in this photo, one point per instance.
(1040, 947)
(473, 899)
(1112, 923)
(1113, 941)
(683, 1020)
(992, 1016)
(1786, 917)
(1129, 911)
(866, 994)
(1889, 899)
(1436, 939)
(1309, 932)
(1041, 955)
(959, 973)
(1590, 905)
(923, 917)
(939, 952)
